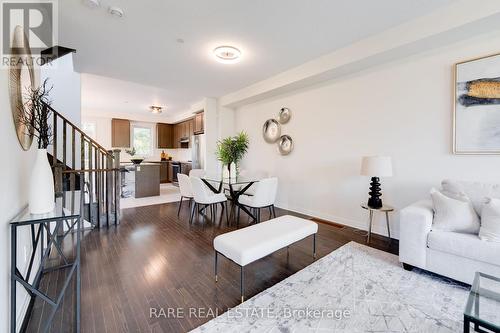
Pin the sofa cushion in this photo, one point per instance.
(490, 221)
(464, 245)
(476, 191)
(453, 215)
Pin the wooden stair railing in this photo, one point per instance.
(75, 153)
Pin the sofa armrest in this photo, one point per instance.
(415, 225)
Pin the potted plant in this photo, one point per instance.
(231, 150)
(35, 115)
(134, 160)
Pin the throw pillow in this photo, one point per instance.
(490, 221)
(454, 215)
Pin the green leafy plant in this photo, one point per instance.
(232, 149)
(131, 152)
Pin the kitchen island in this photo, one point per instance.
(141, 180)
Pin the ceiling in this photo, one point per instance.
(142, 47)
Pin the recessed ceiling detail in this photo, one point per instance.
(227, 54)
(115, 11)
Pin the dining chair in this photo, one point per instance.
(186, 190)
(205, 197)
(260, 174)
(264, 197)
(197, 173)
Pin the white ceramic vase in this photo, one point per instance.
(42, 198)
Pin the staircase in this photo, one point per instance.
(79, 161)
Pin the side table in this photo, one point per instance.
(385, 209)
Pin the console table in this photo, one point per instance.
(48, 232)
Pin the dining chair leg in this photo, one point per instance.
(193, 208)
(270, 212)
(258, 215)
(238, 217)
(274, 212)
(227, 216)
(180, 204)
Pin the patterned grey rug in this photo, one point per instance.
(353, 289)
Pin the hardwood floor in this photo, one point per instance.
(155, 261)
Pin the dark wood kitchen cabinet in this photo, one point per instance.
(165, 136)
(164, 172)
(170, 172)
(199, 126)
(120, 133)
(185, 168)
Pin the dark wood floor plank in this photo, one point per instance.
(156, 261)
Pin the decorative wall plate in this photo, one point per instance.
(21, 78)
(285, 145)
(285, 115)
(271, 131)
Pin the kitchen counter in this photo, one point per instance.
(141, 180)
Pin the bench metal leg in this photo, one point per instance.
(216, 255)
(314, 246)
(242, 281)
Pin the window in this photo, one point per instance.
(142, 140)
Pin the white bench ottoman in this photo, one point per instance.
(249, 244)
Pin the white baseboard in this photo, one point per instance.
(363, 225)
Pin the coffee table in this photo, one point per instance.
(483, 305)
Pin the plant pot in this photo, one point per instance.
(41, 197)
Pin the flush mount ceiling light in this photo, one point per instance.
(227, 54)
(115, 11)
(156, 109)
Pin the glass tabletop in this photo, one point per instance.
(238, 180)
(64, 209)
(483, 304)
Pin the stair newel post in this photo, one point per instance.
(118, 187)
(109, 185)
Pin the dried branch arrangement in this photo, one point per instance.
(36, 114)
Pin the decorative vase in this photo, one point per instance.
(41, 197)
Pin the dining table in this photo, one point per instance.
(237, 186)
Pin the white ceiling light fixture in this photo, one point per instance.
(91, 3)
(116, 11)
(227, 54)
(156, 109)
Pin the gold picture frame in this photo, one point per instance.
(462, 102)
(20, 72)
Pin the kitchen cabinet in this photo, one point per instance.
(165, 136)
(176, 136)
(170, 172)
(191, 131)
(164, 172)
(120, 133)
(185, 168)
(199, 126)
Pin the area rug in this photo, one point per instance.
(168, 193)
(353, 289)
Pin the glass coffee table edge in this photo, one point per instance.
(469, 317)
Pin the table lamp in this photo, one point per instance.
(375, 167)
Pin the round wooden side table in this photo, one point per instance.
(384, 209)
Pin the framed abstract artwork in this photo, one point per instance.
(476, 116)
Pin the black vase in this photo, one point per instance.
(375, 193)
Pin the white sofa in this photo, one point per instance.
(452, 254)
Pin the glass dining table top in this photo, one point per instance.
(238, 180)
(483, 304)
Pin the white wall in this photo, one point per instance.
(402, 109)
(14, 178)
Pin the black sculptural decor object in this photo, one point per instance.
(375, 167)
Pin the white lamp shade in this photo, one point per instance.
(376, 166)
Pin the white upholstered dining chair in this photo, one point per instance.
(185, 189)
(205, 197)
(263, 197)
